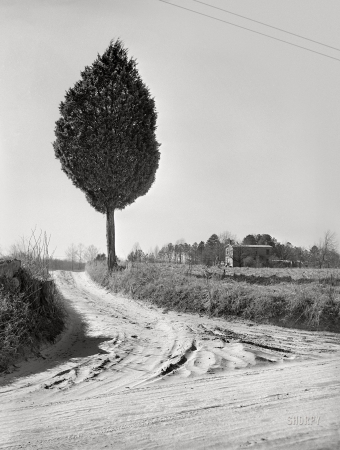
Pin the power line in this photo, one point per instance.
(266, 25)
(248, 29)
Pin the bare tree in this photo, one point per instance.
(179, 250)
(169, 251)
(136, 253)
(34, 251)
(19, 248)
(156, 252)
(71, 254)
(80, 254)
(227, 238)
(90, 253)
(327, 247)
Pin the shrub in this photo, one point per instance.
(33, 313)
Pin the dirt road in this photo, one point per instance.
(127, 375)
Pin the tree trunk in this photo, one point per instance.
(110, 239)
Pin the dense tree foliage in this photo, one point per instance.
(105, 138)
(249, 240)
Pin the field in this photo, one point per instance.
(294, 273)
(297, 298)
(272, 275)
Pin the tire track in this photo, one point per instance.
(124, 372)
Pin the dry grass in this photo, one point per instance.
(273, 275)
(262, 295)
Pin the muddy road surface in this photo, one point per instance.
(128, 375)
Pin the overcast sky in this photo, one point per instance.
(248, 126)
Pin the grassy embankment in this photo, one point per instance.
(297, 298)
(31, 314)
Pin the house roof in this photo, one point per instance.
(256, 246)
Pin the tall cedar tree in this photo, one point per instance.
(105, 138)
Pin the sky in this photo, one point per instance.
(248, 126)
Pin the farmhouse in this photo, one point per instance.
(248, 255)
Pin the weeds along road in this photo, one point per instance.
(127, 375)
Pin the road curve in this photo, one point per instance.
(127, 375)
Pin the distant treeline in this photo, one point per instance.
(64, 264)
(74, 264)
(212, 252)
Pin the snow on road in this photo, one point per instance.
(128, 375)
